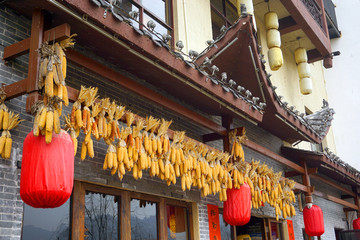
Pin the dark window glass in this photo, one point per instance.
(101, 216)
(231, 12)
(46, 224)
(143, 220)
(222, 17)
(225, 228)
(177, 223)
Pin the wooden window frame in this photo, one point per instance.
(169, 15)
(78, 209)
(223, 14)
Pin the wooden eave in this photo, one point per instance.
(229, 54)
(325, 165)
(140, 56)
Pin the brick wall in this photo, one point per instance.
(14, 28)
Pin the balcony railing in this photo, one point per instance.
(331, 19)
(315, 11)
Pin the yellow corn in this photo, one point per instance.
(49, 84)
(56, 122)
(65, 97)
(8, 144)
(78, 118)
(1, 117)
(90, 148)
(48, 136)
(49, 121)
(5, 120)
(83, 150)
(2, 143)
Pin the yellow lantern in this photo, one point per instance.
(305, 86)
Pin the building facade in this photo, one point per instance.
(206, 78)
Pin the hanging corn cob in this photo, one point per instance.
(122, 153)
(236, 148)
(5, 139)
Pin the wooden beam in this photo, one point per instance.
(314, 55)
(346, 196)
(37, 28)
(20, 48)
(260, 149)
(15, 89)
(288, 25)
(333, 184)
(112, 75)
(212, 137)
(336, 200)
(292, 174)
(347, 209)
(306, 182)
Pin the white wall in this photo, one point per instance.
(343, 84)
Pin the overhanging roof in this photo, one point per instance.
(327, 164)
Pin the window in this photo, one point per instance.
(225, 228)
(223, 13)
(159, 11)
(101, 216)
(143, 219)
(47, 224)
(108, 213)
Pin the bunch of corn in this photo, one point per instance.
(52, 72)
(236, 150)
(10, 121)
(47, 118)
(122, 153)
(71, 128)
(4, 114)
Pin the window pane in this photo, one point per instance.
(159, 28)
(177, 222)
(46, 224)
(231, 12)
(217, 23)
(101, 216)
(225, 228)
(143, 220)
(218, 4)
(156, 7)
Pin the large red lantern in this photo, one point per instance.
(313, 220)
(47, 170)
(356, 224)
(237, 207)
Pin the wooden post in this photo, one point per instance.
(306, 182)
(125, 219)
(78, 212)
(162, 230)
(356, 199)
(37, 30)
(226, 122)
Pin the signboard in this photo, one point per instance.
(290, 230)
(214, 223)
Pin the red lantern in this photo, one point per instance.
(356, 224)
(47, 170)
(237, 207)
(314, 221)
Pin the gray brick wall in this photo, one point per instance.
(14, 28)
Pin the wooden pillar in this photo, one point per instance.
(125, 225)
(306, 182)
(162, 230)
(37, 30)
(78, 212)
(226, 122)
